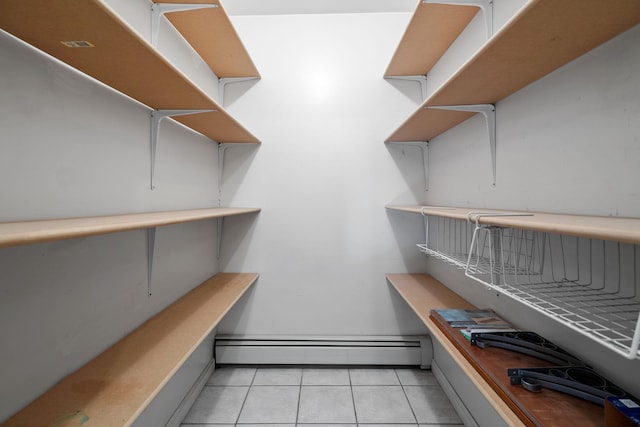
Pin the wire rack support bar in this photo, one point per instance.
(489, 113)
(485, 5)
(159, 9)
(156, 117)
(474, 217)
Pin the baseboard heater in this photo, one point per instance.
(296, 350)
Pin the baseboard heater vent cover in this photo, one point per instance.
(296, 350)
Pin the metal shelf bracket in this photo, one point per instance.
(424, 147)
(489, 113)
(159, 9)
(151, 247)
(220, 224)
(485, 5)
(419, 78)
(222, 149)
(224, 81)
(156, 118)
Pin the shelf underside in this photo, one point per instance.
(542, 37)
(432, 29)
(29, 232)
(113, 389)
(211, 34)
(118, 57)
(625, 230)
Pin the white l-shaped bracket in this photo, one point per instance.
(489, 113)
(159, 9)
(424, 147)
(224, 81)
(418, 78)
(151, 247)
(222, 149)
(156, 118)
(485, 5)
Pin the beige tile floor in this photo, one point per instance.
(321, 397)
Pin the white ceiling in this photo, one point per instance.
(294, 7)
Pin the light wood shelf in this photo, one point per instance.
(114, 388)
(625, 230)
(119, 58)
(432, 29)
(543, 36)
(29, 232)
(424, 293)
(211, 34)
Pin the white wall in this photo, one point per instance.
(72, 147)
(323, 240)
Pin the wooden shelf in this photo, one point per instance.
(211, 34)
(114, 388)
(424, 293)
(29, 232)
(625, 230)
(119, 58)
(432, 29)
(543, 36)
(486, 368)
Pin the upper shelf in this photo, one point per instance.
(115, 54)
(625, 230)
(211, 34)
(431, 31)
(28, 232)
(543, 36)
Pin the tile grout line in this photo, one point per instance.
(395, 371)
(353, 398)
(299, 396)
(246, 396)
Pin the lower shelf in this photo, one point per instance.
(114, 388)
(423, 293)
(487, 368)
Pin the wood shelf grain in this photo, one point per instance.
(114, 388)
(542, 37)
(119, 57)
(29, 232)
(432, 29)
(211, 34)
(625, 230)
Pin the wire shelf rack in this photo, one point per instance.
(590, 285)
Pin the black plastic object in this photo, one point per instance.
(528, 343)
(578, 381)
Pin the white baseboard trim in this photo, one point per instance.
(326, 350)
(182, 410)
(455, 400)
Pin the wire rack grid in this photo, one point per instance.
(587, 284)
